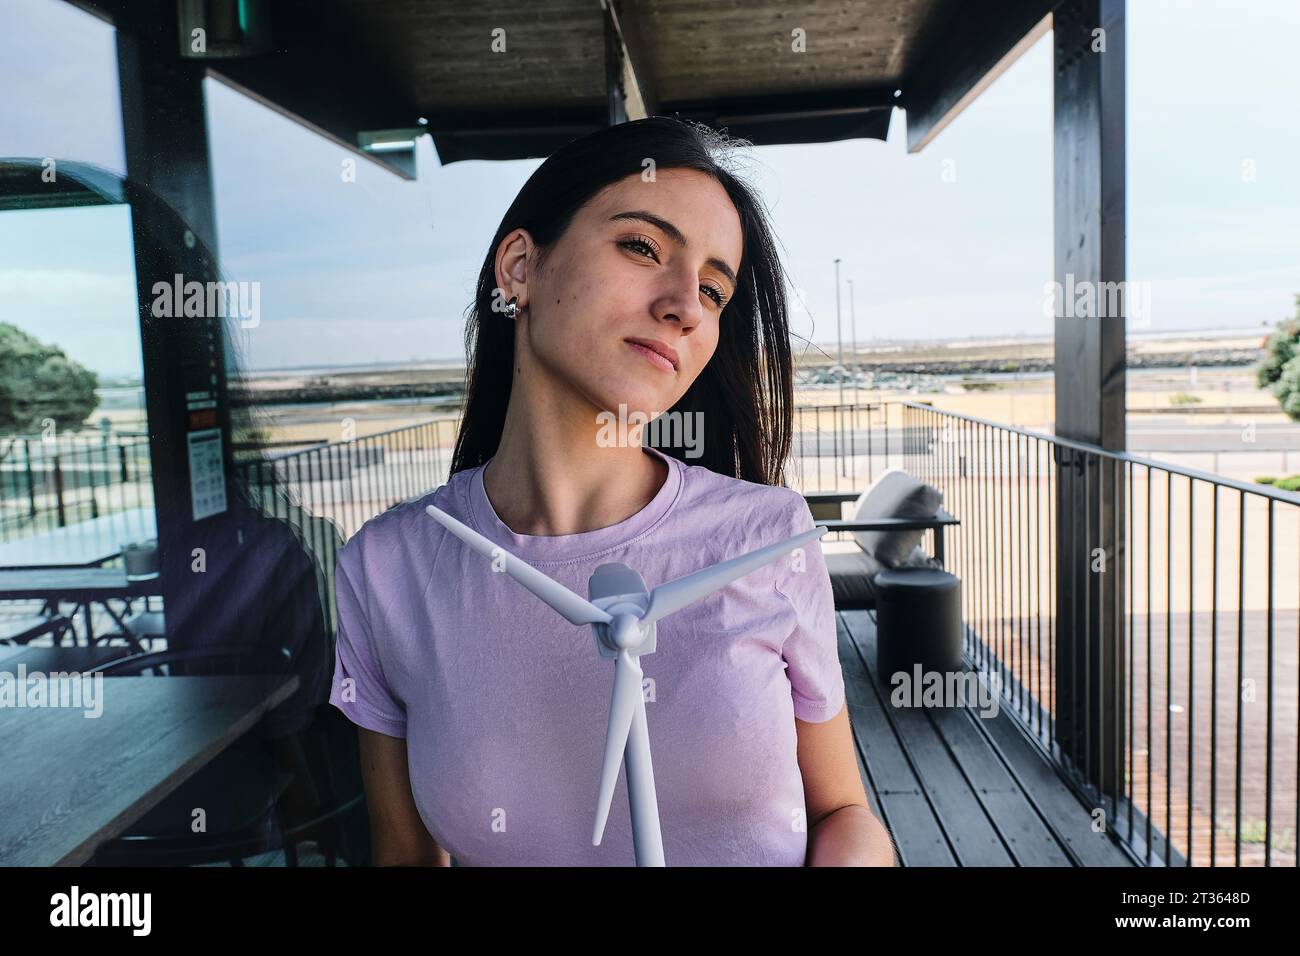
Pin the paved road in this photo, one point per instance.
(1149, 437)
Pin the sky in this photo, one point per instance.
(951, 242)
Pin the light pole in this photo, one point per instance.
(839, 329)
(839, 334)
(853, 334)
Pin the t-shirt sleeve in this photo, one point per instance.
(811, 649)
(359, 687)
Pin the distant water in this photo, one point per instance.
(116, 398)
(316, 370)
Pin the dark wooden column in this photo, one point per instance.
(1090, 387)
(173, 225)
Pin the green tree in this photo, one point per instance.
(1280, 370)
(38, 381)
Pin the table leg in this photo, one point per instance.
(71, 633)
(121, 624)
(90, 628)
(117, 618)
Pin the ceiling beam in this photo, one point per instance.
(216, 75)
(627, 71)
(978, 43)
(357, 92)
(807, 117)
(510, 134)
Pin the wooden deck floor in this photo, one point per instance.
(955, 788)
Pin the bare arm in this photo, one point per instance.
(398, 836)
(842, 830)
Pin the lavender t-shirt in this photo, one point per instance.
(504, 704)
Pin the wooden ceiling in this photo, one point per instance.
(440, 51)
(350, 65)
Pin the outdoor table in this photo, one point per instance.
(80, 586)
(49, 660)
(85, 544)
(70, 782)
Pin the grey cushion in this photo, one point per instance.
(920, 558)
(851, 576)
(895, 494)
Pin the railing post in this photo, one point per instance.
(58, 491)
(31, 479)
(91, 470)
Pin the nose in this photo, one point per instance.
(680, 301)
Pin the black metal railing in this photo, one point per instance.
(1153, 658)
(842, 447)
(328, 491)
(52, 482)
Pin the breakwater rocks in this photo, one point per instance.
(343, 392)
(1043, 363)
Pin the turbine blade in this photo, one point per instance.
(572, 607)
(676, 594)
(627, 688)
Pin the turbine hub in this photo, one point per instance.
(625, 632)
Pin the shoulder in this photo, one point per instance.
(404, 525)
(768, 514)
(768, 510)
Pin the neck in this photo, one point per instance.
(550, 476)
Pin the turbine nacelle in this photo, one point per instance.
(621, 592)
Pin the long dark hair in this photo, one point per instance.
(746, 392)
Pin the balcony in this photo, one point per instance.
(1169, 719)
(1166, 764)
(961, 786)
(1204, 602)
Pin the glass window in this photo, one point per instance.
(58, 70)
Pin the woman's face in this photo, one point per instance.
(649, 262)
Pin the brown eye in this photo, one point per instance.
(638, 243)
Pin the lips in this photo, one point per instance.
(659, 353)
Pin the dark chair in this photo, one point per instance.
(24, 630)
(852, 574)
(137, 629)
(239, 789)
(327, 755)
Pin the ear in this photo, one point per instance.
(512, 262)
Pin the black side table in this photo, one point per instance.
(918, 621)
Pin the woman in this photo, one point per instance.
(632, 274)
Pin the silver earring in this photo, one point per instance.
(512, 308)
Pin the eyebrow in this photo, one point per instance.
(675, 234)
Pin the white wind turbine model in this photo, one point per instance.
(623, 614)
